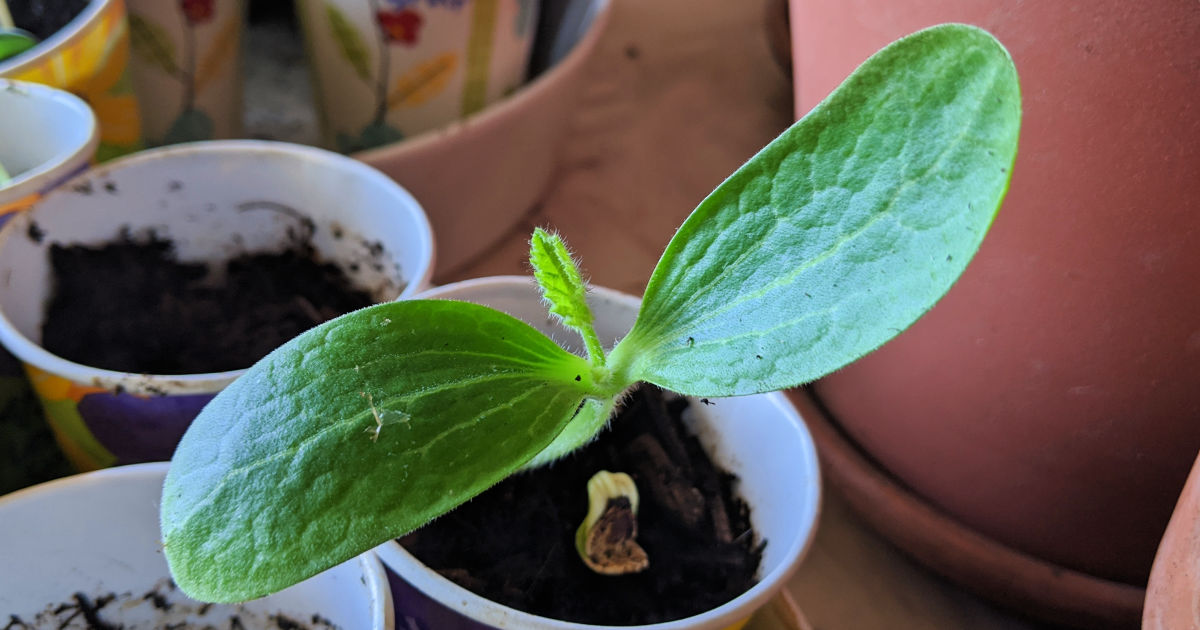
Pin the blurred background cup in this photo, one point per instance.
(186, 68)
(46, 135)
(385, 70)
(88, 55)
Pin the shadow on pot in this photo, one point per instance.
(213, 202)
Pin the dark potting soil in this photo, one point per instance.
(514, 544)
(44, 18)
(160, 608)
(130, 306)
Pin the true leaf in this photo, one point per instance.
(841, 232)
(559, 278)
(349, 41)
(355, 432)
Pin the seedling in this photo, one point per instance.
(827, 243)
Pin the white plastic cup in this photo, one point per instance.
(214, 200)
(760, 438)
(98, 533)
(46, 136)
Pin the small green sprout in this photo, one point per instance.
(607, 539)
(4, 176)
(839, 234)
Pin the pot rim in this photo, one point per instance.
(68, 33)
(33, 353)
(372, 572)
(36, 179)
(739, 608)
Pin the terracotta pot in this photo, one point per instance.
(1050, 401)
(1173, 595)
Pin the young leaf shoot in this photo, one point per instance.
(827, 243)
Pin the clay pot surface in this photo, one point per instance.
(1050, 401)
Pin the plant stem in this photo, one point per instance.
(592, 342)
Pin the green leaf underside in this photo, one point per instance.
(288, 471)
(841, 232)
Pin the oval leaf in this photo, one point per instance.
(842, 231)
(356, 432)
(349, 41)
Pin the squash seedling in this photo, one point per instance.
(831, 240)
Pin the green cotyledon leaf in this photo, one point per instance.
(353, 433)
(842, 231)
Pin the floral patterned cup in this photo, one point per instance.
(90, 57)
(185, 68)
(389, 69)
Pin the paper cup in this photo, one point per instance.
(387, 70)
(97, 534)
(186, 68)
(214, 200)
(46, 136)
(761, 439)
(90, 57)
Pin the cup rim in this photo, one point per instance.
(69, 32)
(33, 353)
(529, 91)
(371, 569)
(43, 175)
(741, 607)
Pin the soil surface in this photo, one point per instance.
(514, 544)
(129, 306)
(44, 18)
